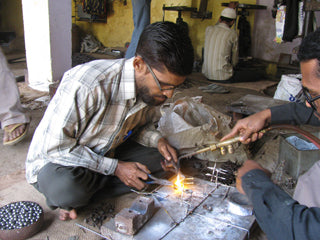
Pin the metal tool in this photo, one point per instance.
(216, 146)
(172, 164)
(85, 228)
(159, 181)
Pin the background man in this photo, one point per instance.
(221, 47)
(80, 145)
(280, 216)
(221, 52)
(14, 121)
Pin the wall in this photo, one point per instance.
(11, 16)
(263, 45)
(118, 29)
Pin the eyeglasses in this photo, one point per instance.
(309, 98)
(158, 82)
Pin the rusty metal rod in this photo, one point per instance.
(88, 229)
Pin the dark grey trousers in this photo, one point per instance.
(73, 187)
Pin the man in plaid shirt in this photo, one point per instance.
(81, 144)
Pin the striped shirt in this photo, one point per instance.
(220, 52)
(93, 111)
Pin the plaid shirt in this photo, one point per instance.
(93, 111)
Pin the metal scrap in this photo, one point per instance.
(99, 214)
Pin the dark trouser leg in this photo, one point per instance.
(68, 187)
(73, 187)
(141, 18)
(131, 151)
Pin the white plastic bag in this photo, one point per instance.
(289, 88)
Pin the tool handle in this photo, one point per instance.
(215, 146)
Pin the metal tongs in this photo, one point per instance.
(159, 181)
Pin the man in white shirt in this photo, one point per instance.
(221, 52)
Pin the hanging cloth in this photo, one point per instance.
(291, 26)
(244, 37)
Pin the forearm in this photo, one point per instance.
(278, 215)
(293, 113)
(83, 156)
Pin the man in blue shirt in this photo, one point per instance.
(279, 215)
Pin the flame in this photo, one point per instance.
(179, 183)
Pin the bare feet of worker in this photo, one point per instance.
(67, 215)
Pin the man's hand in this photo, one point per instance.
(130, 174)
(169, 153)
(249, 127)
(246, 167)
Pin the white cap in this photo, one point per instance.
(229, 13)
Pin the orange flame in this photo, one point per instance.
(179, 184)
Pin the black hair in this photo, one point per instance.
(166, 44)
(310, 48)
(225, 19)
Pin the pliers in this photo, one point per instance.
(172, 164)
(154, 180)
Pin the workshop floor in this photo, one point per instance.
(13, 186)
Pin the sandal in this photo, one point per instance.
(11, 129)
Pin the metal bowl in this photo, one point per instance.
(30, 213)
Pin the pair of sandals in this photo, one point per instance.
(214, 88)
(10, 129)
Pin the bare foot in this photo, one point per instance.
(14, 133)
(65, 215)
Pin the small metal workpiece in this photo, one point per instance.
(129, 220)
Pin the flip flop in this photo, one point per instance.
(17, 139)
(210, 86)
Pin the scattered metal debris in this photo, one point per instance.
(99, 214)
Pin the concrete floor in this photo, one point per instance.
(13, 157)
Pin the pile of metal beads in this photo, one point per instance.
(19, 214)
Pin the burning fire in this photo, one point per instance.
(179, 183)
